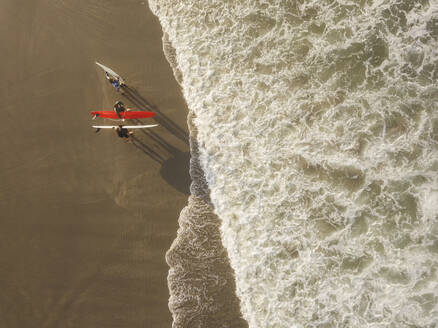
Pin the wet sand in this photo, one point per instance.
(201, 281)
(86, 219)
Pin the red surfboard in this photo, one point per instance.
(124, 115)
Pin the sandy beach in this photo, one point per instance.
(86, 219)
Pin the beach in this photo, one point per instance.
(86, 219)
(291, 182)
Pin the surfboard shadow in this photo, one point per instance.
(161, 118)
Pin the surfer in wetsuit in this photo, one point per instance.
(119, 107)
(115, 82)
(124, 133)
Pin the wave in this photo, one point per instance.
(317, 128)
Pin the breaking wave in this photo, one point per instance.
(317, 127)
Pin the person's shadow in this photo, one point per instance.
(175, 164)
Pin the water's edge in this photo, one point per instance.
(201, 281)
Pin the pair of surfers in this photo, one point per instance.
(120, 130)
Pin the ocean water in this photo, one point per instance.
(317, 128)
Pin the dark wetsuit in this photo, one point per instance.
(122, 133)
(119, 107)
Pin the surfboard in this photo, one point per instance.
(125, 126)
(111, 72)
(123, 115)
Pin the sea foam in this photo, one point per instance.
(317, 129)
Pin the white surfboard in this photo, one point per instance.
(125, 126)
(111, 72)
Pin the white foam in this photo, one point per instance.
(317, 126)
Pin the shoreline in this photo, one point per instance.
(201, 281)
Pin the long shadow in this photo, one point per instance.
(128, 96)
(132, 92)
(147, 150)
(159, 140)
(174, 167)
(160, 117)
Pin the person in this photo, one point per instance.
(119, 107)
(124, 133)
(115, 82)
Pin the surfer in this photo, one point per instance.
(115, 82)
(124, 133)
(119, 107)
